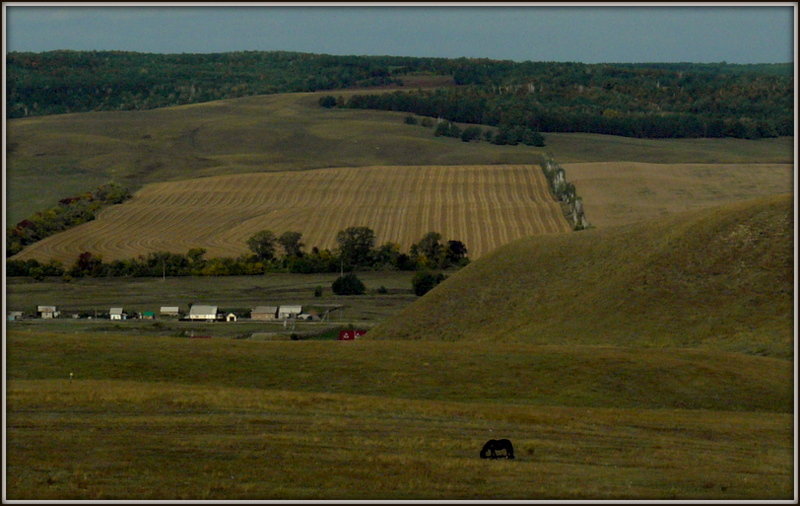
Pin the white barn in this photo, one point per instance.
(202, 312)
(47, 311)
(290, 311)
(170, 311)
(116, 313)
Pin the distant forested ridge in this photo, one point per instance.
(638, 100)
(632, 100)
(57, 82)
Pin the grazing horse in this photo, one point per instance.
(494, 445)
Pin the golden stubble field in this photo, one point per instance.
(483, 206)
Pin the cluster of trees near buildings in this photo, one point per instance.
(269, 253)
(638, 100)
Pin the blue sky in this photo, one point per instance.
(741, 34)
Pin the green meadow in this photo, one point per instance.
(118, 417)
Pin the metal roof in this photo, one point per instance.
(198, 309)
(291, 309)
(115, 310)
(266, 309)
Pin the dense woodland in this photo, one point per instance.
(639, 100)
(78, 81)
(653, 101)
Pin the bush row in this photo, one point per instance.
(356, 250)
(69, 212)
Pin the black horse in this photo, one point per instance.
(492, 446)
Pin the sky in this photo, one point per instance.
(588, 34)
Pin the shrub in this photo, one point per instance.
(471, 133)
(327, 101)
(410, 120)
(318, 291)
(349, 284)
(423, 282)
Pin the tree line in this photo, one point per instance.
(56, 82)
(705, 108)
(356, 249)
(69, 212)
(639, 100)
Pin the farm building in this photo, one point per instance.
(148, 315)
(202, 312)
(264, 313)
(170, 311)
(231, 317)
(349, 335)
(116, 313)
(285, 312)
(46, 311)
(14, 315)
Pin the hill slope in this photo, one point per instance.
(717, 278)
(618, 193)
(287, 132)
(482, 206)
(254, 134)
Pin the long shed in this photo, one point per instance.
(203, 312)
(170, 311)
(264, 313)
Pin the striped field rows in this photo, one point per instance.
(482, 206)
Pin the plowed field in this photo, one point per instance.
(483, 206)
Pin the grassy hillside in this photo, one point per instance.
(617, 193)
(254, 134)
(286, 132)
(500, 373)
(157, 418)
(482, 206)
(719, 278)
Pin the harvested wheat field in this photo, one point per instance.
(483, 206)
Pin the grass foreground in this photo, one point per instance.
(170, 418)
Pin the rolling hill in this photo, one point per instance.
(619, 193)
(288, 132)
(718, 278)
(269, 133)
(482, 206)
